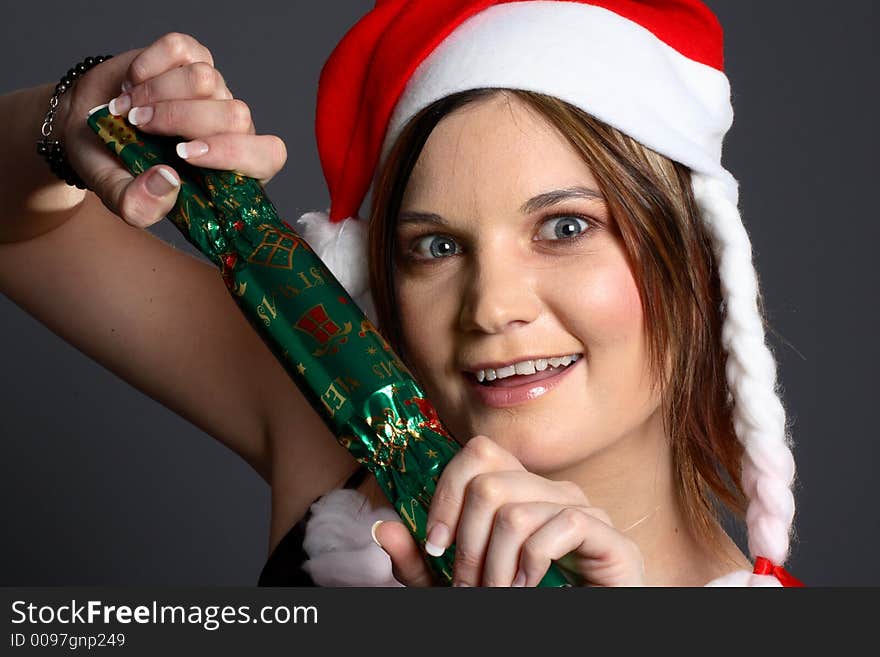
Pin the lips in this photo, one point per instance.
(520, 389)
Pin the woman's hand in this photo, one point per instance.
(177, 92)
(508, 524)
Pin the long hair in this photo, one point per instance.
(657, 221)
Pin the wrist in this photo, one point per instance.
(50, 146)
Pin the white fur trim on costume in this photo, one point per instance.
(339, 543)
(666, 101)
(342, 246)
(758, 415)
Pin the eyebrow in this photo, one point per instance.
(539, 202)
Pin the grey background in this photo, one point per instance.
(102, 485)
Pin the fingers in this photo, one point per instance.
(169, 51)
(193, 118)
(140, 201)
(171, 88)
(174, 90)
(480, 454)
(487, 495)
(597, 551)
(199, 80)
(148, 198)
(256, 156)
(514, 523)
(407, 563)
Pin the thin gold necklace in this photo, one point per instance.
(637, 522)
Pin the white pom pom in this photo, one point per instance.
(343, 248)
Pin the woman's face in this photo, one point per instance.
(506, 254)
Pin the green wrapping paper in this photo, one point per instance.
(340, 362)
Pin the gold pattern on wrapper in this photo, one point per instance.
(335, 355)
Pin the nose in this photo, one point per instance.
(500, 295)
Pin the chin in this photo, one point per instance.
(540, 450)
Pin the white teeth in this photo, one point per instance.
(525, 367)
(504, 372)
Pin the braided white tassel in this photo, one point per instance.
(343, 248)
(758, 415)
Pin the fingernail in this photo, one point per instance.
(520, 579)
(126, 86)
(140, 115)
(437, 540)
(160, 182)
(461, 584)
(190, 149)
(120, 105)
(373, 532)
(95, 109)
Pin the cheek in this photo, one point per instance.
(610, 309)
(610, 322)
(424, 322)
(618, 370)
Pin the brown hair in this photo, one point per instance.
(657, 221)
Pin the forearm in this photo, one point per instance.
(32, 200)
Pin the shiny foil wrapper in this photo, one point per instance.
(336, 356)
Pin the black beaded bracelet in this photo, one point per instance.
(52, 150)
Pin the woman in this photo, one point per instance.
(568, 247)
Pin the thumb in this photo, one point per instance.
(144, 200)
(407, 562)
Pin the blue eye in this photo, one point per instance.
(435, 246)
(562, 228)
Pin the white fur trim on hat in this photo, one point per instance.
(647, 89)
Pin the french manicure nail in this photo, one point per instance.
(437, 540)
(140, 115)
(161, 182)
(520, 579)
(373, 532)
(190, 149)
(95, 109)
(120, 105)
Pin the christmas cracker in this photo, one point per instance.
(335, 355)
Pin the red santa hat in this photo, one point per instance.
(653, 70)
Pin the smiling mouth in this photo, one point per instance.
(524, 373)
(522, 379)
(516, 389)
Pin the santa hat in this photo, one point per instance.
(651, 69)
